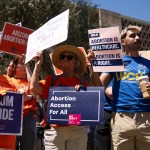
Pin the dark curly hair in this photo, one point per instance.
(12, 66)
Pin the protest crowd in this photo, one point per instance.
(124, 109)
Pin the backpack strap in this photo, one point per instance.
(54, 79)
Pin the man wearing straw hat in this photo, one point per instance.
(72, 62)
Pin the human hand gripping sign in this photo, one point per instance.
(38, 58)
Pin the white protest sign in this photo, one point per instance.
(50, 34)
(105, 43)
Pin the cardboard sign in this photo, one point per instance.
(11, 107)
(14, 39)
(17, 24)
(66, 106)
(50, 34)
(105, 42)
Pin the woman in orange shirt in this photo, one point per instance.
(7, 141)
(19, 82)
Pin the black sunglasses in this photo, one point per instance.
(69, 57)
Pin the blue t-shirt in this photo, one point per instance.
(127, 96)
(107, 103)
(107, 100)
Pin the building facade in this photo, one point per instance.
(110, 19)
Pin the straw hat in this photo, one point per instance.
(73, 49)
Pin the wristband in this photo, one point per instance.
(32, 96)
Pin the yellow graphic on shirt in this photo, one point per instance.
(130, 76)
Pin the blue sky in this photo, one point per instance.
(139, 9)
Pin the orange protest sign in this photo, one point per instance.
(14, 39)
(83, 50)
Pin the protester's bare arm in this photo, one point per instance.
(108, 92)
(29, 72)
(96, 80)
(105, 79)
(34, 84)
(27, 97)
(95, 76)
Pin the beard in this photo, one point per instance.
(137, 45)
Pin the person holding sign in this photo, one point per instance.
(130, 123)
(16, 80)
(17, 72)
(72, 62)
(6, 84)
(6, 141)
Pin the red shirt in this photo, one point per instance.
(61, 81)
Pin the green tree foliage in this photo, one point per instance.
(34, 13)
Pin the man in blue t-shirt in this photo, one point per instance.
(130, 123)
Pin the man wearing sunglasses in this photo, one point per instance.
(72, 62)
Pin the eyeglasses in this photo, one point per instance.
(69, 57)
